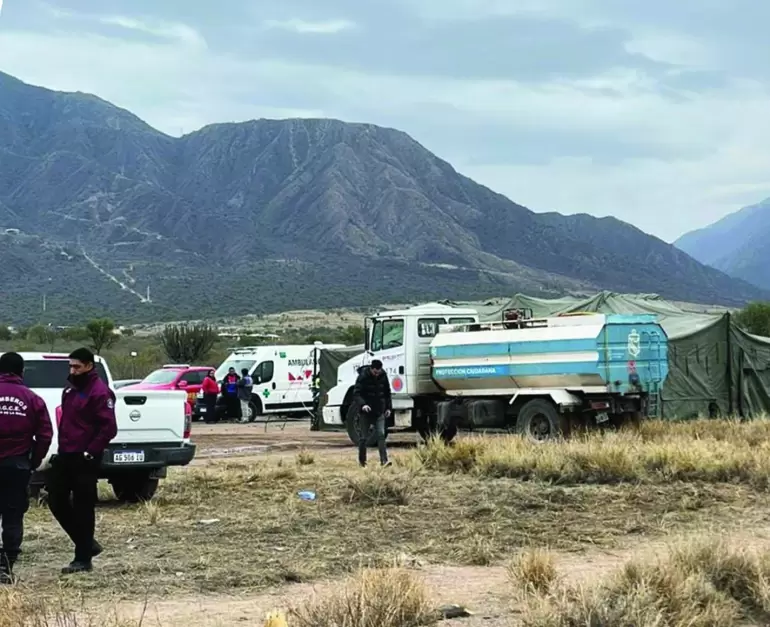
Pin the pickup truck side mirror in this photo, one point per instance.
(182, 384)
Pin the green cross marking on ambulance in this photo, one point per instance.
(266, 393)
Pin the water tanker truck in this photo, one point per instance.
(539, 377)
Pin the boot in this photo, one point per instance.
(97, 549)
(6, 570)
(77, 566)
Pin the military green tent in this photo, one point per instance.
(715, 368)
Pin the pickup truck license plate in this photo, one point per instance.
(128, 457)
(202, 410)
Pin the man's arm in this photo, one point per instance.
(358, 389)
(43, 433)
(103, 408)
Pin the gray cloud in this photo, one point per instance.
(637, 110)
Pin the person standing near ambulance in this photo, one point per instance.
(87, 426)
(25, 436)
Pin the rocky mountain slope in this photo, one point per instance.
(95, 206)
(737, 244)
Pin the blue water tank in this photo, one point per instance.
(617, 352)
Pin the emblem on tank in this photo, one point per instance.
(634, 344)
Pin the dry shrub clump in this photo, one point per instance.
(20, 607)
(657, 453)
(379, 487)
(389, 597)
(533, 571)
(305, 458)
(700, 584)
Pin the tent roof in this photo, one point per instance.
(678, 319)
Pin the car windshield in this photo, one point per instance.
(160, 377)
(238, 364)
(52, 373)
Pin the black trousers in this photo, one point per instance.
(367, 420)
(210, 401)
(72, 498)
(14, 502)
(233, 406)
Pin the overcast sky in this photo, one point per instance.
(656, 112)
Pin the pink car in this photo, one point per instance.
(175, 377)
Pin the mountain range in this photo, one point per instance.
(737, 244)
(97, 207)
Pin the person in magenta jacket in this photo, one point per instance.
(25, 436)
(87, 426)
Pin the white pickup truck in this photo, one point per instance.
(153, 428)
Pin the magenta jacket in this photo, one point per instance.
(88, 421)
(25, 426)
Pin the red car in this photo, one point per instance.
(175, 377)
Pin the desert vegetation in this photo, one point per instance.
(239, 527)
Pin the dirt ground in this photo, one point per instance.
(485, 590)
(242, 441)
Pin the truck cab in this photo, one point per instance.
(401, 340)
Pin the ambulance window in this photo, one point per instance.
(428, 327)
(387, 334)
(264, 371)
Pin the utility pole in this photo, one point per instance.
(45, 295)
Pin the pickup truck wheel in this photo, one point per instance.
(351, 422)
(539, 420)
(134, 488)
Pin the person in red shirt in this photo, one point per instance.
(210, 393)
(25, 436)
(87, 426)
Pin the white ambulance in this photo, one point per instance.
(283, 377)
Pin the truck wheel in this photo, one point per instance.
(255, 408)
(428, 428)
(134, 487)
(627, 420)
(539, 420)
(351, 422)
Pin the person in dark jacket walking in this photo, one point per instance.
(25, 436)
(372, 393)
(87, 426)
(210, 393)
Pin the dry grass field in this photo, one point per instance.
(593, 531)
